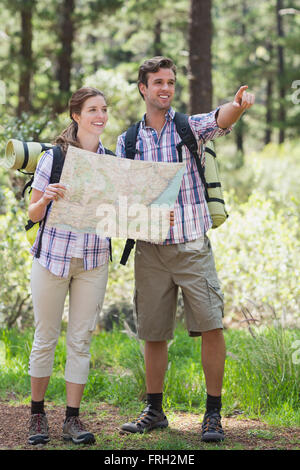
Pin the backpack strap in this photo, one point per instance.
(27, 185)
(187, 138)
(26, 158)
(57, 166)
(130, 150)
(26, 155)
(217, 184)
(109, 152)
(129, 245)
(130, 140)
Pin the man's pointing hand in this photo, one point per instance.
(243, 99)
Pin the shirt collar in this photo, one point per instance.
(100, 148)
(169, 117)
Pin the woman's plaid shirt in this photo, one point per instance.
(58, 245)
(192, 218)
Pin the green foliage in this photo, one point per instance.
(273, 170)
(15, 262)
(270, 356)
(27, 128)
(257, 255)
(262, 367)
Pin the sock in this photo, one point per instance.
(155, 400)
(71, 412)
(213, 403)
(37, 407)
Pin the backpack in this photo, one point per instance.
(57, 166)
(33, 227)
(209, 176)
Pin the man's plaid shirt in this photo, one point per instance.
(192, 218)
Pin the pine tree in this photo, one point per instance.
(200, 61)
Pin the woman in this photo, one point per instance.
(68, 262)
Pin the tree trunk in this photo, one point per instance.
(240, 125)
(26, 65)
(157, 39)
(281, 73)
(269, 98)
(239, 132)
(269, 92)
(66, 36)
(200, 37)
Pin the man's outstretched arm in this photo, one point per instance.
(229, 113)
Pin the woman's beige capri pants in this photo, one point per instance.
(86, 296)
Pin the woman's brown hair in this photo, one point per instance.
(77, 100)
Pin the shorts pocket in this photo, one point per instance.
(195, 245)
(216, 296)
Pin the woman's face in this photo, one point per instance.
(93, 116)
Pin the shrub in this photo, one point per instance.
(257, 253)
(15, 262)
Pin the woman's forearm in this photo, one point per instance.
(37, 210)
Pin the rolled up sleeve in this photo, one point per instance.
(205, 127)
(43, 172)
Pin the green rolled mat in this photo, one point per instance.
(216, 203)
(21, 155)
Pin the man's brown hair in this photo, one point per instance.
(153, 65)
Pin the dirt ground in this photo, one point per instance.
(104, 421)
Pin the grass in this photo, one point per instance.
(261, 377)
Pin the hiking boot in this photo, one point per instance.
(211, 427)
(149, 419)
(74, 430)
(38, 429)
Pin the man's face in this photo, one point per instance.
(160, 90)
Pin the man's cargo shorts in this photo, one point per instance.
(159, 271)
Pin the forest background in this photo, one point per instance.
(48, 49)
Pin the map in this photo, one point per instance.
(116, 197)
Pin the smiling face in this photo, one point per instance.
(159, 90)
(93, 116)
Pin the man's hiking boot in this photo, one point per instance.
(38, 429)
(74, 430)
(149, 419)
(211, 427)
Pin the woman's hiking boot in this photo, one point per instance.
(38, 429)
(149, 419)
(74, 430)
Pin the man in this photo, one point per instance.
(185, 258)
